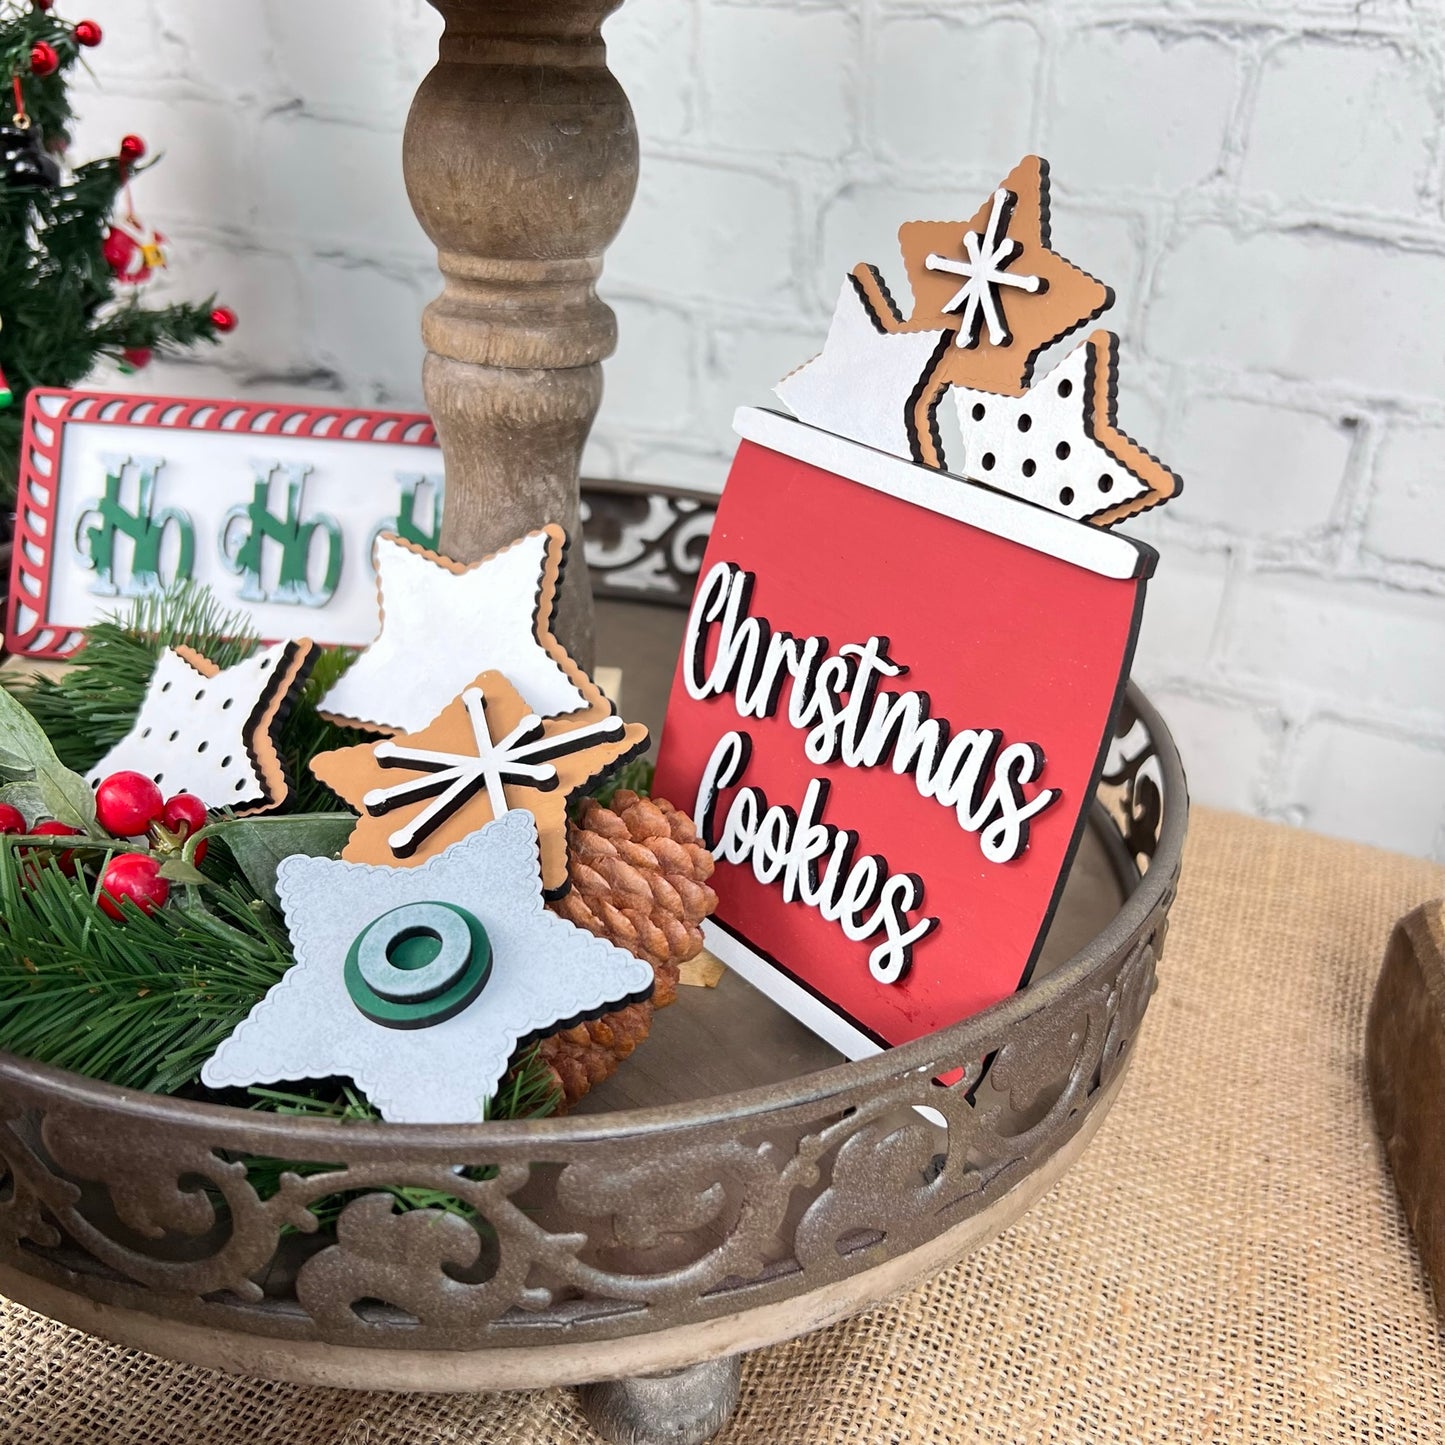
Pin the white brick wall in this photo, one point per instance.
(1260, 180)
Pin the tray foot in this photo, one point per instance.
(682, 1407)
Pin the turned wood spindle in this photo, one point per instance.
(521, 162)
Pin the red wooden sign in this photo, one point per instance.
(889, 717)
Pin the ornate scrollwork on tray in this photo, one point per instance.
(1132, 785)
(645, 543)
(148, 1203)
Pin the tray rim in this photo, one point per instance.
(547, 1361)
(68, 1087)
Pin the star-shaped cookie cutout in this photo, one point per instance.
(485, 753)
(861, 383)
(1059, 444)
(442, 623)
(994, 282)
(211, 732)
(421, 984)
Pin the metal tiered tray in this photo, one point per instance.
(716, 1219)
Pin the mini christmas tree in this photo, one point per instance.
(70, 265)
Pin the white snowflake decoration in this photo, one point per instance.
(522, 757)
(978, 298)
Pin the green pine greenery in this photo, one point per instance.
(59, 301)
(91, 706)
(635, 775)
(22, 24)
(144, 1002)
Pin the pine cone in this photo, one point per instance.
(639, 879)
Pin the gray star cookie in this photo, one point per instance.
(545, 974)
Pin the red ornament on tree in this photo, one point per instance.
(87, 32)
(43, 59)
(223, 319)
(133, 250)
(135, 358)
(132, 148)
(44, 4)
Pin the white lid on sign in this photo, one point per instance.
(972, 503)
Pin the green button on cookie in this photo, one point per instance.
(418, 965)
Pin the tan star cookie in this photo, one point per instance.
(994, 282)
(483, 755)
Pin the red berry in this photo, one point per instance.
(12, 820)
(136, 357)
(44, 4)
(51, 829)
(135, 876)
(223, 319)
(186, 814)
(87, 32)
(43, 59)
(126, 804)
(132, 148)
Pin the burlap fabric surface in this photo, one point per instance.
(1227, 1263)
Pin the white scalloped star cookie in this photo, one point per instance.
(209, 731)
(442, 623)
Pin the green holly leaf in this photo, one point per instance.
(66, 796)
(259, 844)
(27, 797)
(177, 870)
(12, 765)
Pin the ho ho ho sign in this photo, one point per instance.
(272, 506)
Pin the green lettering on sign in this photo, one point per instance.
(416, 489)
(106, 520)
(250, 528)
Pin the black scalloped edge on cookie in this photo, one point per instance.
(1111, 420)
(288, 679)
(1046, 238)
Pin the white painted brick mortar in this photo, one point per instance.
(1260, 182)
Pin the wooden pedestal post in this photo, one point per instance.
(521, 163)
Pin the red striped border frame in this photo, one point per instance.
(29, 629)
